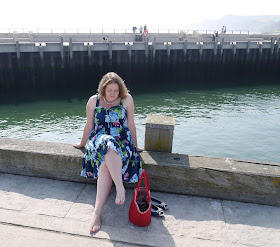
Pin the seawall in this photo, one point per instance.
(221, 178)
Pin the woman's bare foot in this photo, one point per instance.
(95, 223)
(120, 197)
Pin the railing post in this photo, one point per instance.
(159, 133)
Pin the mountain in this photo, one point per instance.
(257, 24)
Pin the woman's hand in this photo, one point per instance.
(78, 145)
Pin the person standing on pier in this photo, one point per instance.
(145, 32)
(112, 154)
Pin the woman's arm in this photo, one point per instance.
(129, 104)
(90, 121)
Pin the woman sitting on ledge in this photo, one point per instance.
(112, 153)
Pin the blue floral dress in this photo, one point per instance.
(111, 131)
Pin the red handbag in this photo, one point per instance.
(141, 204)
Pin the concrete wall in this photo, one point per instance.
(222, 178)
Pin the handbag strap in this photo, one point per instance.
(144, 176)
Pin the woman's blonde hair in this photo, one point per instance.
(109, 78)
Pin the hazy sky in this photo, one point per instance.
(124, 14)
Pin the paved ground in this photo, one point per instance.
(46, 212)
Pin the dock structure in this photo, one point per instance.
(174, 52)
(155, 47)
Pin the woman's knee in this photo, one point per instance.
(112, 154)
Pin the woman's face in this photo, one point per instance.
(112, 91)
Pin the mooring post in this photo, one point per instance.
(159, 133)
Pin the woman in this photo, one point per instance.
(112, 153)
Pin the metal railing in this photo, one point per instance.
(228, 32)
(113, 31)
(82, 30)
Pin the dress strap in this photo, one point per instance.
(121, 103)
(97, 101)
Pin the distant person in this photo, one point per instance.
(145, 27)
(105, 39)
(140, 29)
(110, 132)
(134, 29)
(225, 29)
(216, 34)
(145, 33)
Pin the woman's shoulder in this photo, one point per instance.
(128, 98)
(128, 101)
(92, 100)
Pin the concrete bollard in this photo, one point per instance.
(159, 133)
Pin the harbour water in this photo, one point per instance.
(240, 122)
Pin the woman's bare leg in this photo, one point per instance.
(104, 184)
(114, 163)
(110, 170)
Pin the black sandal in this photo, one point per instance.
(156, 211)
(159, 203)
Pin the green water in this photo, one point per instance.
(240, 122)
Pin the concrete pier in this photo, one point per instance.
(160, 57)
(44, 201)
(46, 212)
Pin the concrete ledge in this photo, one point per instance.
(221, 178)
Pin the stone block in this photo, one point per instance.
(159, 133)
